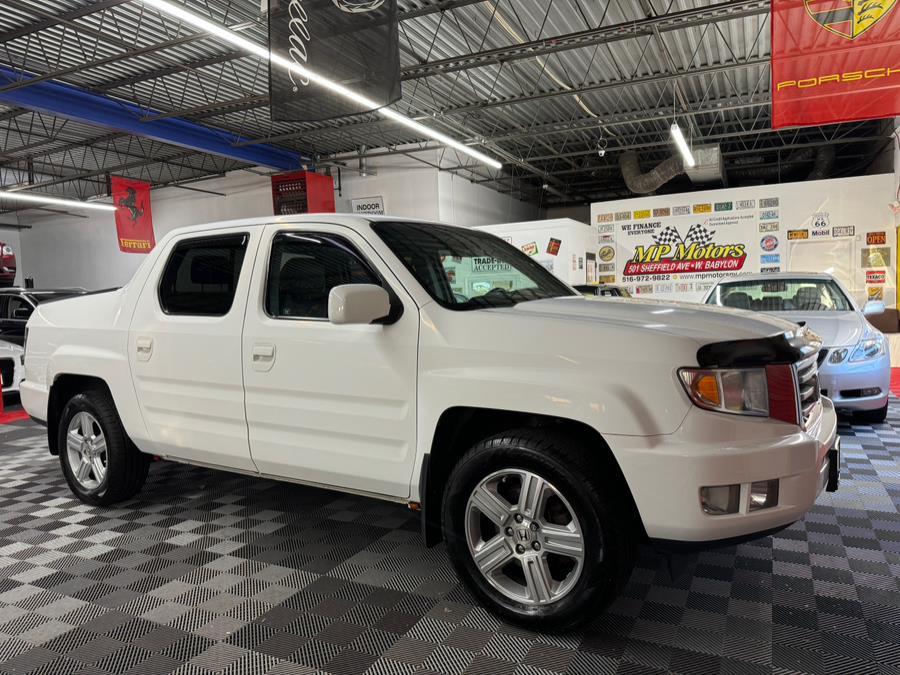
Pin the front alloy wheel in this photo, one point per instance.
(540, 527)
(524, 537)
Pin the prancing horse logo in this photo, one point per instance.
(848, 18)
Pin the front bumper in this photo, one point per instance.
(666, 473)
(843, 382)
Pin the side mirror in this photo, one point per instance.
(358, 304)
(22, 313)
(874, 308)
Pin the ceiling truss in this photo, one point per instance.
(540, 84)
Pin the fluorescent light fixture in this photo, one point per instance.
(262, 52)
(683, 148)
(56, 201)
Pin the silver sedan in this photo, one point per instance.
(854, 364)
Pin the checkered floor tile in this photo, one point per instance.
(208, 572)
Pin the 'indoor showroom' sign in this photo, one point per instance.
(368, 206)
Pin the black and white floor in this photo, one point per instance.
(208, 572)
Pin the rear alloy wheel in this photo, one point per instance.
(539, 528)
(86, 448)
(101, 465)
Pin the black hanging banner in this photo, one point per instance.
(352, 42)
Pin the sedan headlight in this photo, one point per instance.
(870, 347)
(838, 356)
(738, 391)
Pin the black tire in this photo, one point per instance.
(877, 416)
(126, 466)
(601, 502)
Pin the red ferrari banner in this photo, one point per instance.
(134, 221)
(834, 61)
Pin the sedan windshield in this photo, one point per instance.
(468, 269)
(782, 295)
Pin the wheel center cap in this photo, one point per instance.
(523, 535)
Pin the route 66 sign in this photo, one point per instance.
(820, 220)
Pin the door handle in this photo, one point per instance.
(263, 357)
(144, 348)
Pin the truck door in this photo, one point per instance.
(184, 348)
(330, 404)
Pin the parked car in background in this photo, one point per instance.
(17, 305)
(441, 368)
(602, 290)
(11, 367)
(7, 265)
(855, 362)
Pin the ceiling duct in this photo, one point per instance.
(822, 159)
(645, 183)
(707, 169)
(823, 163)
(708, 166)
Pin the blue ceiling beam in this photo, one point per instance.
(69, 102)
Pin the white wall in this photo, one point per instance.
(60, 250)
(752, 216)
(465, 203)
(409, 187)
(70, 251)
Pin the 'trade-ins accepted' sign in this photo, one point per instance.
(695, 252)
(834, 61)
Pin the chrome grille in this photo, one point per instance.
(808, 387)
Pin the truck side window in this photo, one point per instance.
(201, 276)
(303, 268)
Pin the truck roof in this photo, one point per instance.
(349, 219)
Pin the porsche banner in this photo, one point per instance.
(134, 221)
(352, 42)
(834, 61)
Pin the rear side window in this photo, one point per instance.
(201, 276)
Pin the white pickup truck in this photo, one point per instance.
(542, 435)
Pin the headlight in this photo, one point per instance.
(735, 391)
(838, 356)
(870, 347)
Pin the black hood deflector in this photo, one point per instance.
(756, 352)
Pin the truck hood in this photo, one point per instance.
(703, 323)
(837, 329)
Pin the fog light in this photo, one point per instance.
(719, 500)
(763, 494)
(871, 391)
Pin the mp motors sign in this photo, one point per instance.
(696, 252)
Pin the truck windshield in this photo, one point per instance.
(468, 269)
(782, 295)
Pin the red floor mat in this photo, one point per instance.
(895, 381)
(13, 416)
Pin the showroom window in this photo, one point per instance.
(201, 276)
(304, 268)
